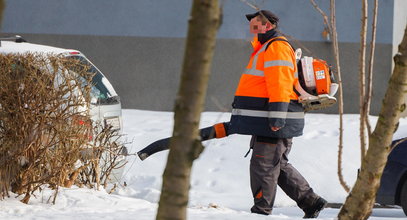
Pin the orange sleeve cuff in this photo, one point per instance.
(220, 130)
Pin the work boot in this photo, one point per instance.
(256, 210)
(316, 208)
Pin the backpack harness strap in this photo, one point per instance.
(279, 39)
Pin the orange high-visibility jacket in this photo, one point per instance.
(265, 96)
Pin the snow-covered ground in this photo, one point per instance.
(220, 179)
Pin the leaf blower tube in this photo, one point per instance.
(219, 130)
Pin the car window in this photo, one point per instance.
(99, 89)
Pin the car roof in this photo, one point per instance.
(13, 47)
(8, 47)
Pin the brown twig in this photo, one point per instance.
(251, 5)
(325, 17)
(340, 101)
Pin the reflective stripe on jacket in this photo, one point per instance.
(265, 95)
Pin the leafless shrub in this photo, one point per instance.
(102, 158)
(44, 123)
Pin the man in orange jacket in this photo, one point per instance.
(266, 106)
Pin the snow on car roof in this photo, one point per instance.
(13, 47)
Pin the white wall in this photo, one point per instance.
(399, 22)
(399, 25)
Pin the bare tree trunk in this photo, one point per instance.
(360, 201)
(362, 80)
(185, 146)
(369, 91)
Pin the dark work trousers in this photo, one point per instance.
(268, 167)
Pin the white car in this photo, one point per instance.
(105, 103)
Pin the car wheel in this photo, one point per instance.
(403, 197)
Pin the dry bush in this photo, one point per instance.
(47, 137)
(42, 109)
(102, 158)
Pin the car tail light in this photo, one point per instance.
(83, 121)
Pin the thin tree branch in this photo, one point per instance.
(362, 78)
(255, 7)
(369, 92)
(340, 101)
(331, 25)
(325, 17)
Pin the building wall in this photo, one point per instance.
(399, 22)
(168, 18)
(139, 44)
(399, 26)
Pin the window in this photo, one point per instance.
(101, 86)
